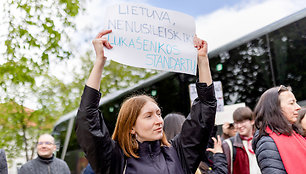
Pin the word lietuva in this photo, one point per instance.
(149, 37)
(150, 15)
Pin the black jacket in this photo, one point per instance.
(154, 159)
(106, 156)
(219, 165)
(3, 163)
(41, 165)
(267, 154)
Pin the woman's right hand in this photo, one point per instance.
(96, 73)
(99, 42)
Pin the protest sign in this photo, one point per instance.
(218, 93)
(149, 37)
(224, 112)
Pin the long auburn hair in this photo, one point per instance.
(128, 114)
(268, 113)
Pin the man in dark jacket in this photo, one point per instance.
(3, 163)
(45, 163)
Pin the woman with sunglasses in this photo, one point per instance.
(278, 145)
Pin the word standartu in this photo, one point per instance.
(149, 37)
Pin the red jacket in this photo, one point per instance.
(241, 161)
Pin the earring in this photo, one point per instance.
(132, 131)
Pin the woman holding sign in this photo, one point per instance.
(138, 144)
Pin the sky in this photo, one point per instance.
(193, 7)
(217, 21)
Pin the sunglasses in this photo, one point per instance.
(282, 88)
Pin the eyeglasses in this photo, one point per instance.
(46, 143)
(283, 88)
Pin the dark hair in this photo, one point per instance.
(302, 113)
(268, 113)
(243, 113)
(231, 126)
(173, 124)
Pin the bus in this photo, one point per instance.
(273, 55)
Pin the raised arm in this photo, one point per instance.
(92, 133)
(198, 126)
(203, 63)
(96, 73)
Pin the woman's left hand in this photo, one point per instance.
(201, 46)
(217, 146)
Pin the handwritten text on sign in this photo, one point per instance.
(149, 37)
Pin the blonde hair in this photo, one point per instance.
(127, 117)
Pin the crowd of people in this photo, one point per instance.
(139, 144)
(270, 139)
(257, 141)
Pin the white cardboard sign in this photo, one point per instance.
(149, 37)
(218, 93)
(224, 112)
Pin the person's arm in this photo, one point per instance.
(198, 126)
(26, 168)
(227, 150)
(96, 73)
(268, 157)
(3, 162)
(219, 158)
(203, 63)
(65, 169)
(217, 145)
(92, 133)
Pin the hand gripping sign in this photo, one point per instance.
(149, 37)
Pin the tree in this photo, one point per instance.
(37, 35)
(20, 128)
(37, 31)
(115, 76)
(34, 33)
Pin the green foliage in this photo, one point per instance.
(115, 76)
(36, 32)
(20, 128)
